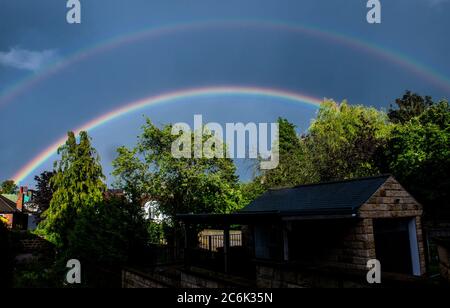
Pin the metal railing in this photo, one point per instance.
(214, 242)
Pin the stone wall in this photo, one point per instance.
(393, 201)
(444, 259)
(358, 246)
(139, 279)
(273, 277)
(282, 276)
(189, 280)
(351, 244)
(179, 277)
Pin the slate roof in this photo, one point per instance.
(7, 206)
(340, 197)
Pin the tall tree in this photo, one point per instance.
(109, 234)
(291, 169)
(9, 187)
(77, 184)
(179, 185)
(344, 141)
(44, 192)
(409, 106)
(418, 154)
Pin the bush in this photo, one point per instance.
(38, 274)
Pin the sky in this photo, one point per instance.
(56, 77)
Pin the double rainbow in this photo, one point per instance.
(425, 72)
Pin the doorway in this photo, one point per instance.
(396, 245)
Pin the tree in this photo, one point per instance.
(418, 154)
(77, 184)
(44, 192)
(109, 233)
(9, 187)
(409, 106)
(344, 141)
(252, 190)
(290, 171)
(179, 185)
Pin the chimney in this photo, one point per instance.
(21, 198)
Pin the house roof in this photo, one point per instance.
(7, 206)
(11, 197)
(330, 198)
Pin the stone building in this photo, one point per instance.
(339, 226)
(319, 235)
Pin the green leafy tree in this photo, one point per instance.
(44, 192)
(179, 185)
(109, 234)
(77, 184)
(9, 187)
(291, 170)
(409, 106)
(345, 140)
(252, 190)
(418, 154)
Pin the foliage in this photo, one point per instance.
(418, 154)
(108, 234)
(252, 190)
(9, 187)
(77, 183)
(44, 191)
(344, 140)
(39, 274)
(409, 106)
(156, 232)
(179, 185)
(102, 231)
(291, 170)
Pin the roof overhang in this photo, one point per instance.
(264, 217)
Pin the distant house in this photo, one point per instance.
(19, 210)
(15, 218)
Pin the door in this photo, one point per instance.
(392, 245)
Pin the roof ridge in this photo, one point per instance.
(8, 203)
(385, 175)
